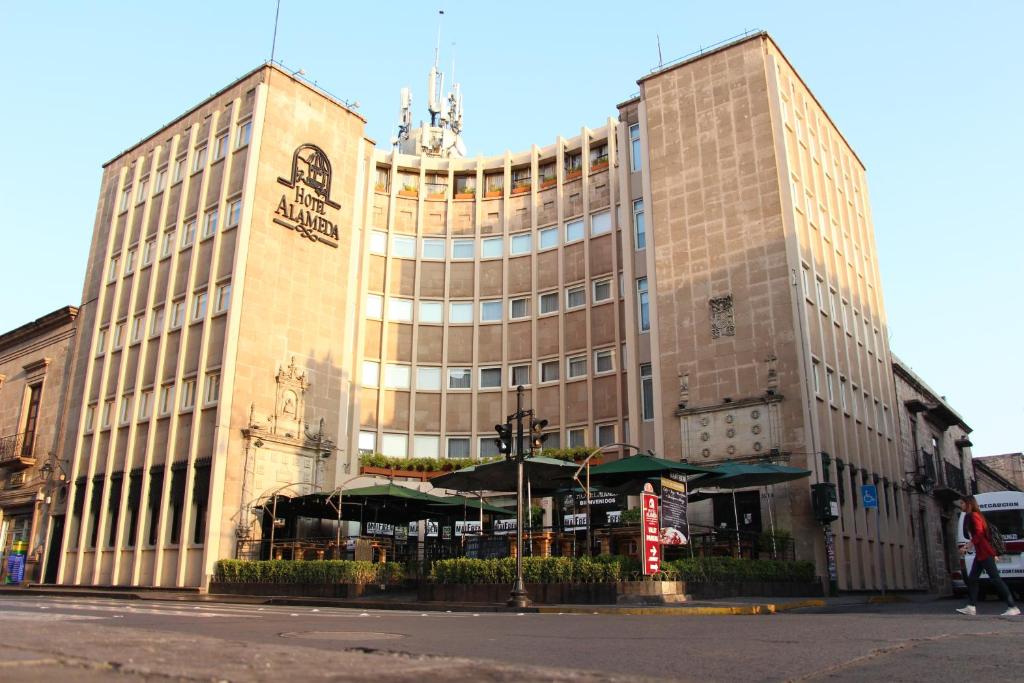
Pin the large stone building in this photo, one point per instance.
(34, 363)
(1009, 466)
(268, 294)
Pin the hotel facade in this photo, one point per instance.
(268, 294)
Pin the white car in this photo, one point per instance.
(1004, 509)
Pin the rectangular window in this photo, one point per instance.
(138, 326)
(433, 249)
(400, 310)
(460, 312)
(643, 304)
(108, 408)
(829, 385)
(804, 280)
(125, 413)
(575, 297)
(426, 446)
(394, 445)
(842, 393)
(816, 376)
(222, 298)
(428, 378)
(396, 376)
(604, 361)
(403, 247)
(161, 181)
(520, 244)
(846, 322)
(548, 303)
(166, 399)
(374, 306)
(367, 442)
(244, 134)
(488, 447)
(602, 290)
(114, 268)
(199, 306)
(90, 418)
(220, 147)
(547, 238)
(605, 435)
(147, 252)
(490, 311)
(460, 378)
(188, 233)
(490, 378)
(573, 231)
(143, 192)
(492, 247)
(126, 198)
(577, 437)
(378, 242)
(463, 250)
(431, 312)
(211, 390)
(635, 161)
(520, 375)
(234, 213)
(371, 373)
(167, 246)
(119, 335)
(601, 223)
(577, 366)
(199, 160)
(832, 304)
(188, 394)
(519, 308)
(179, 169)
(458, 447)
(647, 391)
(639, 229)
(101, 341)
(129, 261)
(549, 371)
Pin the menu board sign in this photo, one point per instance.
(673, 513)
(652, 531)
(468, 527)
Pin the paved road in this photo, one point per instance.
(45, 638)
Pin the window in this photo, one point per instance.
(635, 161)
(220, 147)
(396, 376)
(816, 376)
(520, 244)
(125, 413)
(394, 445)
(519, 308)
(177, 314)
(575, 297)
(114, 268)
(188, 394)
(147, 252)
(428, 378)
(166, 399)
(605, 435)
(819, 297)
(853, 402)
(126, 198)
(371, 373)
(600, 223)
(573, 231)
(400, 310)
(460, 378)
(829, 385)
(209, 223)
(119, 335)
(547, 238)
(167, 245)
(490, 378)
(577, 366)
(199, 160)
(460, 312)
(188, 233)
(367, 442)
(639, 229)
(463, 250)
(222, 298)
(433, 249)
(832, 305)
(842, 393)
(199, 306)
(129, 261)
(108, 408)
(90, 418)
(211, 390)
(492, 247)
(604, 361)
(403, 247)
(647, 391)
(846, 322)
(138, 326)
(548, 303)
(488, 447)
(458, 447)
(374, 306)
(490, 311)
(101, 341)
(602, 290)
(179, 169)
(549, 371)
(234, 212)
(426, 446)
(244, 134)
(431, 312)
(140, 196)
(598, 154)
(520, 375)
(378, 242)
(643, 304)
(161, 181)
(577, 437)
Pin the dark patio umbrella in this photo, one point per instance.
(627, 475)
(544, 475)
(452, 502)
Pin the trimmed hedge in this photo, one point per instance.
(720, 569)
(313, 572)
(602, 569)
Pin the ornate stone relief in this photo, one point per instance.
(723, 322)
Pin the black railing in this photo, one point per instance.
(17, 446)
(954, 478)
(928, 464)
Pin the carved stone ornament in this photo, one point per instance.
(723, 322)
(290, 406)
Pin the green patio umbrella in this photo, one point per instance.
(544, 475)
(627, 475)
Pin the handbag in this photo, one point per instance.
(995, 538)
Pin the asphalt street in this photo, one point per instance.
(49, 638)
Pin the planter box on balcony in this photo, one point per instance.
(574, 174)
(522, 189)
(436, 195)
(548, 182)
(409, 193)
(465, 195)
(395, 472)
(598, 166)
(491, 194)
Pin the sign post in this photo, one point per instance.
(652, 531)
(869, 495)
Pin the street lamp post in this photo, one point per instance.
(517, 453)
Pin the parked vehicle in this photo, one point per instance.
(1004, 510)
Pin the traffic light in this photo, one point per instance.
(504, 440)
(537, 435)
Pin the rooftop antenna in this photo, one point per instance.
(436, 85)
(273, 42)
(660, 61)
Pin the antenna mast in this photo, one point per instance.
(273, 42)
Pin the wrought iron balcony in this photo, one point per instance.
(17, 450)
(954, 480)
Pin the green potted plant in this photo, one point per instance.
(493, 192)
(468, 192)
(548, 181)
(409, 190)
(599, 164)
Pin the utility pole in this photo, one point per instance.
(517, 453)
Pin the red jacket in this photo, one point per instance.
(977, 530)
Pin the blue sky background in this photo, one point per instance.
(928, 93)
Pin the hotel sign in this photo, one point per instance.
(652, 531)
(305, 208)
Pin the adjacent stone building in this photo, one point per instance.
(1008, 466)
(34, 362)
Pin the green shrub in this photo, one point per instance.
(315, 571)
(630, 516)
(714, 569)
(601, 569)
(418, 464)
(781, 537)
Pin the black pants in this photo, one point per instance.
(990, 568)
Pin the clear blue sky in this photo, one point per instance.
(928, 93)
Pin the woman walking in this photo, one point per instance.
(976, 529)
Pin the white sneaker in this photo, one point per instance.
(969, 611)
(1011, 612)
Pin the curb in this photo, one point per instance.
(886, 599)
(739, 610)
